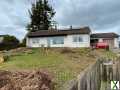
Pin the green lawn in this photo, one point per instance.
(62, 66)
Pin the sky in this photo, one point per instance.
(99, 15)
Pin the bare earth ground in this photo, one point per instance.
(63, 64)
(25, 80)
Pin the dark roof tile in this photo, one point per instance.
(43, 33)
(104, 35)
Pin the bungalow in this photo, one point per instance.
(111, 39)
(81, 37)
(59, 38)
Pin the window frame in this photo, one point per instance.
(78, 39)
(57, 40)
(35, 41)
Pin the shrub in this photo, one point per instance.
(9, 42)
(23, 44)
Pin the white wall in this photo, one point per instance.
(116, 42)
(41, 41)
(68, 41)
(1, 39)
(100, 40)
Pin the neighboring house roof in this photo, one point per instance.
(43, 33)
(104, 35)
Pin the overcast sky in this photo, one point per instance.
(99, 15)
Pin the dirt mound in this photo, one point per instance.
(34, 80)
(22, 49)
(1, 58)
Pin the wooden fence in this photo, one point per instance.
(98, 76)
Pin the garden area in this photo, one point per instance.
(62, 64)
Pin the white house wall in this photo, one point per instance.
(116, 42)
(41, 41)
(68, 41)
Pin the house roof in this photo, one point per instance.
(104, 35)
(43, 33)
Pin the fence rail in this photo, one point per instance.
(98, 76)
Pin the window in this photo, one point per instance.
(77, 39)
(58, 40)
(35, 41)
(80, 39)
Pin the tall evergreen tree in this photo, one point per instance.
(41, 15)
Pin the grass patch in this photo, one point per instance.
(62, 63)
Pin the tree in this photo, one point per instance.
(23, 43)
(41, 15)
(10, 39)
(9, 42)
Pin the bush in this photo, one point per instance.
(9, 42)
(23, 44)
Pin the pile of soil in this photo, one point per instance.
(27, 80)
(21, 49)
(16, 52)
(1, 58)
